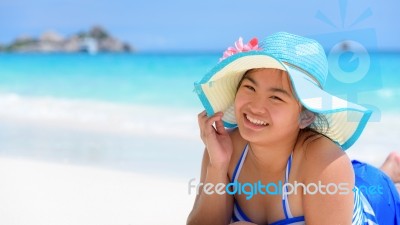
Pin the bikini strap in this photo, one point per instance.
(285, 200)
(240, 163)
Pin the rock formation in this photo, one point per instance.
(97, 39)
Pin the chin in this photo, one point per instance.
(251, 136)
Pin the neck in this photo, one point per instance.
(273, 157)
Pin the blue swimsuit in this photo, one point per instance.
(363, 213)
(238, 214)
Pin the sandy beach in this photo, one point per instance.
(33, 192)
(42, 192)
(79, 162)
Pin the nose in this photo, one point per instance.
(258, 106)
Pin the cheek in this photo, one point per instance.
(239, 101)
(287, 116)
(236, 106)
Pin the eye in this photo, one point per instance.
(249, 87)
(276, 98)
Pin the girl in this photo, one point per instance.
(286, 143)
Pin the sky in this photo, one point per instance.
(205, 25)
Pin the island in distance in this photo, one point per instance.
(97, 39)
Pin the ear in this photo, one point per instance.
(306, 118)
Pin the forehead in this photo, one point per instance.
(269, 77)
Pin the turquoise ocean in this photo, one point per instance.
(138, 112)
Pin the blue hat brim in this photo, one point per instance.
(343, 117)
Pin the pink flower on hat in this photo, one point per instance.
(240, 47)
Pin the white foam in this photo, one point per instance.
(100, 116)
(376, 142)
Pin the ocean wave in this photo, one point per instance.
(99, 116)
(378, 139)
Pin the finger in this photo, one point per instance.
(210, 120)
(202, 114)
(209, 128)
(206, 124)
(219, 125)
(201, 117)
(204, 121)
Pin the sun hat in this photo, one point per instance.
(305, 61)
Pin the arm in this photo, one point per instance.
(214, 208)
(327, 163)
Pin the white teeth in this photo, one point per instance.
(256, 121)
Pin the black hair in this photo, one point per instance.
(318, 129)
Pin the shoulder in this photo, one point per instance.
(323, 159)
(324, 164)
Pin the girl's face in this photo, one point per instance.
(265, 108)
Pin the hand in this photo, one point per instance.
(216, 139)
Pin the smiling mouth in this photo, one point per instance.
(255, 121)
